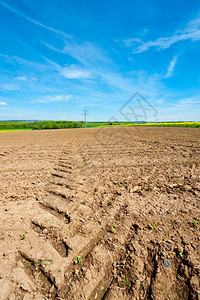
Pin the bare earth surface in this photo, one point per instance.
(122, 200)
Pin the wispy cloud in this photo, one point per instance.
(51, 99)
(3, 103)
(85, 53)
(190, 32)
(12, 116)
(21, 78)
(190, 100)
(171, 67)
(10, 87)
(186, 109)
(93, 63)
(24, 63)
(75, 72)
(14, 10)
(96, 65)
(91, 105)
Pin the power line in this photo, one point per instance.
(85, 113)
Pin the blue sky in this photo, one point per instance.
(58, 56)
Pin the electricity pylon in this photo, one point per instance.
(85, 113)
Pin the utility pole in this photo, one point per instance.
(85, 113)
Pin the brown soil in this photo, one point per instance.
(122, 200)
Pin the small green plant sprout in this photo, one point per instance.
(70, 150)
(181, 254)
(23, 236)
(48, 237)
(31, 246)
(79, 259)
(126, 282)
(152, 226)
(113, 229)
(68, 233)
(39, 262)
(45, 261)
(195, 222)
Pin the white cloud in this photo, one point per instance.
(171, 67)
(190, 32)
(3, 103)
(75, 72)
(51, 99)
(21, 78)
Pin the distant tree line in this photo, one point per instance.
(41, 125)
(57, 125)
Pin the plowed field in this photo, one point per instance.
(100, 213)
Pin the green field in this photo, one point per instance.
(161, 124)
(6, 130)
